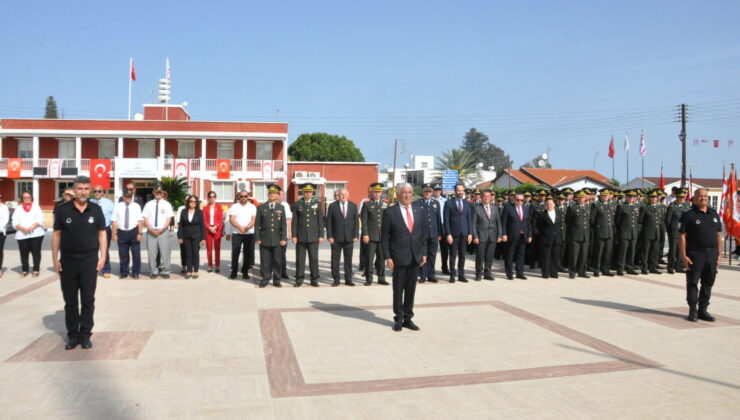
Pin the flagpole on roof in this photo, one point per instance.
(130, 68)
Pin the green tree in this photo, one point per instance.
(460, 160)
(477, 143)
(614, 182)
(51, 111)
(176, 190)
(522, 188)
(324, 147)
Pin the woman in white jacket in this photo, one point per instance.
(4, 219)
(28, 220)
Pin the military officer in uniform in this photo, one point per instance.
(673, 215)
(434, 231)
(79, 234)
(602, 222)
(308, 233)
(650, 219)
(372, 218)
(626, 220)
(578, 223)
(271, 233)
(662, 209)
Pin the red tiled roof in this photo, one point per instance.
(555, 177)
(704, 182)
(521, 176)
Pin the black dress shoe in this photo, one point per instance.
(315, 283)
(85, 342)
(278, 284)
(383, 282)
(349, 283)
(368, 282)
(509, 277)
(122, 276)
(421, 280)
(671, 271)
(410, 325)
(643, 271)
(153, 276)
(655, 272)
(704, 316)
(632, 272)
(571, 275)
(135, 276)
(262, 285)
(545, 276)
(585, 276)
(488, 277)
(397, 326)
(554, 277)
(608, 274)
(452, 279)
(432, 279)
(597, 274)
(165, 276)
(693, 314)
(462, 279)
(335, 283)
(72, 343)
(232, 276)
(521, 277)
(620, 273)
(297, 284)
(478, 278)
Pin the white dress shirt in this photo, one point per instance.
(551, 213)
(165, 211)
(4, 217)
(119, 215)
(243, 216)
(27, 219)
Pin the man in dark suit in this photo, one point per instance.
(517, 230)
(548, 230)
(342, 231)
(458, 227)
(486, 234)
(404, 242)
(434, 231)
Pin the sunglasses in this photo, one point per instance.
(211, 196)
(518, 199)
(98, 191)
(243, 196)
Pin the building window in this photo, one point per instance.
(66, 149)
(63, 185)
(329, 189)
(225, 150)
(25, 149)
(424, 165)
(21, 186)
(263, 151)
(185, 149)
(106, 149)
(224, 190)
(259, 191)
(146, 149)
(713, 201)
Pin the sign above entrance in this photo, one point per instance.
(136, 168)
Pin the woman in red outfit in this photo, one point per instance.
(214, 219)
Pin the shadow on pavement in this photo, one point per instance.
(622, 307)
(55, 322)
(351, 312)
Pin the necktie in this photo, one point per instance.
(156, 215)
(344, 211)
(519, 212)
(125, 219)
(459, 205)
(272, 207)
(409, 220)
(488, 212)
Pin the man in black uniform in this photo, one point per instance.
(270, 233)
(672, 216)
(602, 223)
(650, 219)
(701, 240)
(308, 234)
(79, 233)
(434, 231)
(578, 222)
(627, 217)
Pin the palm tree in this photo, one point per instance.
(176, 189)
(462, 161)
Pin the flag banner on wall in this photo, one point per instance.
(223, 169)
(14, 167)
(100, 172)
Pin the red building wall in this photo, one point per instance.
(48, 148)
(131, 148)
(10, 148)
(89, 148)
(357, 176)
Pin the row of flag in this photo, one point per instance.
(643, 146)
(715, 143)
(729, 207)
(132, 69)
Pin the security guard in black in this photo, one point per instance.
(79, 243)
(701, 235)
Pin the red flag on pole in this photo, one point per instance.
(223, 169)
(133, 71)
(100, 173)
(611, 147)
(731, 215)
(14, 167)
(662, 181)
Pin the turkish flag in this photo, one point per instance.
(133, 71)
(223, 169)
(14, 167)
(611, 148)
(100, 173)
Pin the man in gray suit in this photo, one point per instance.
(487, 233)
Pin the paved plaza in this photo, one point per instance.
(214, 347)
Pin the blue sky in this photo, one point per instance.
(533, 75)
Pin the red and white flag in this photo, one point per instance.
(181, 169)
(716, 143)
(611, 147)
(662, 181)
(731, 214)
(100, 173)
(55, 168)
(223, 169)
(133, 70)
(643, 148)
(14, 167)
